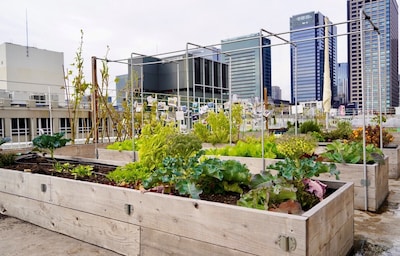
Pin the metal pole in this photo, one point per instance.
(262, 99)
(177, 94)
(363, 111)
(380, 90)
(187, 87)
(133, 113)
(142, 93)
(230, 100)
(295, 90)
(50, 113)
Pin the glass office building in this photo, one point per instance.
(244, 53)
(343, 83)
(307, 58)
(384, 14)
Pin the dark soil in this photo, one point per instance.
(35, 163)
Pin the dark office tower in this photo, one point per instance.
(384, 14)
(243, 53)
(307, 33)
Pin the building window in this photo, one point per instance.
(40, 100)
(2, 135)
(65, 125)
(20, 126)
(43, 126)
(84, 125)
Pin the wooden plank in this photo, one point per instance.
(378, 188)
(326, 225)
(154, 242)
(254, 164)
(394, 161)
(121, 237)
(25, 184)
(205, 221)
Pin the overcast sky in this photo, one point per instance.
(157, 26)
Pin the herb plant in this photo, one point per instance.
(63, 167)
(131, 174)
(372, 135)
(82, 171)
(153, 143)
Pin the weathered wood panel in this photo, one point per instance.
(394, 161)
(377, 180)
(121, 237)
(254, 164)
(330, 228)
(115, 155)
(155, 242)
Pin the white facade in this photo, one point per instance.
(30, 75)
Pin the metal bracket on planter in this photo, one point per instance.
(128, 209)
(286, 243)
(365, 183)
(43, 188)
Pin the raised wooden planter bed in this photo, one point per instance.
(254, 164)
(394, 161)
(377, 183)
(123, 156)
(130, 222)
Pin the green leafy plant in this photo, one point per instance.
(131, 174)
(125, 145)
(153, 143)
(343, 131)
(217, 127)
(82, 171)
(248, 148)
(7, 159)
(352, 152)
(48, 143)
(194, 177)
(294, 147)
(62, 167)
(292, 183)
(183, 145)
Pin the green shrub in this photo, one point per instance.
(309, 126)
(7, 159)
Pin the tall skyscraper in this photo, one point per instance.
(384, 14)
(244, 53)
(307, 66)
(342, 83)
